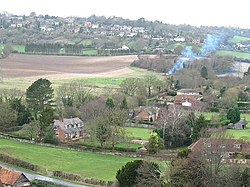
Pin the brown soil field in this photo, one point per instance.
(64, 67)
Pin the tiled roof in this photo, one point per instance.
(9, 177)
(67, 125)
(215, 144)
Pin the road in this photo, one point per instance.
(32, 176)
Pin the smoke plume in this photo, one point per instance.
(210, 44)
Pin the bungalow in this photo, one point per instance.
(9, 178)
(226, 147)
(69, 129)
(147, 114)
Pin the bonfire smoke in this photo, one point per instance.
(210, 45)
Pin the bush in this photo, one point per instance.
(50, 137)
(183, 153)
(172, 93)
(214, 109)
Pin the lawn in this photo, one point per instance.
(234, 53)
(238, 39)
(240, 134)
(135, 132)
(86, 164)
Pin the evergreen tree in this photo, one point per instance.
(109, 103)
(204, 72)
(39, 96)
(124, 104)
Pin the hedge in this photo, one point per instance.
(19, 163)
(74, 177)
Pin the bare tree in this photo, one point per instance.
(171, 121)
(130, 85)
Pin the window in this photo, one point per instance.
(237, 146)
(222, 146)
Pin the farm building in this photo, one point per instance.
(13, 178)
(69, 129)
(147, 114)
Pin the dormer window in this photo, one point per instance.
(222, 146)
(238, 146)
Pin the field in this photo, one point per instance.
(67, 160)
(19, 71)
(234, 53)
(238, 39)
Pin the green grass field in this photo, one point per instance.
(135, 132)
(238, 39)
(90, 52)
(86, 164)
(234, 53)
(19, 48)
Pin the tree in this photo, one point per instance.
(124, 104)
(148, 175)
(130, 85)
(7, 50)
(175, 132)
(126, 176)
(197, 126)
(109, 103)
(32, 129)
(153, 143)
(46, 119)
(115, 118)
(204, 73)
(102, 133)
(49, 136)
(76, 94)
(233, 114)
(39, 96)
(23, 114)
(149, 81)
(8, 116)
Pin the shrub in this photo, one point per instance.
(214, 109)
(183, 153)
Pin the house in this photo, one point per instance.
(228, 148)
(147, 114)
(13, 178)
(69, 129)
(188, 92)
(185, 100)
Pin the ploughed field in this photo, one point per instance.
(19, 65)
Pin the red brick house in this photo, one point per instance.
(69, 129)
(147, 114)
(227, 147)
(13, 178)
